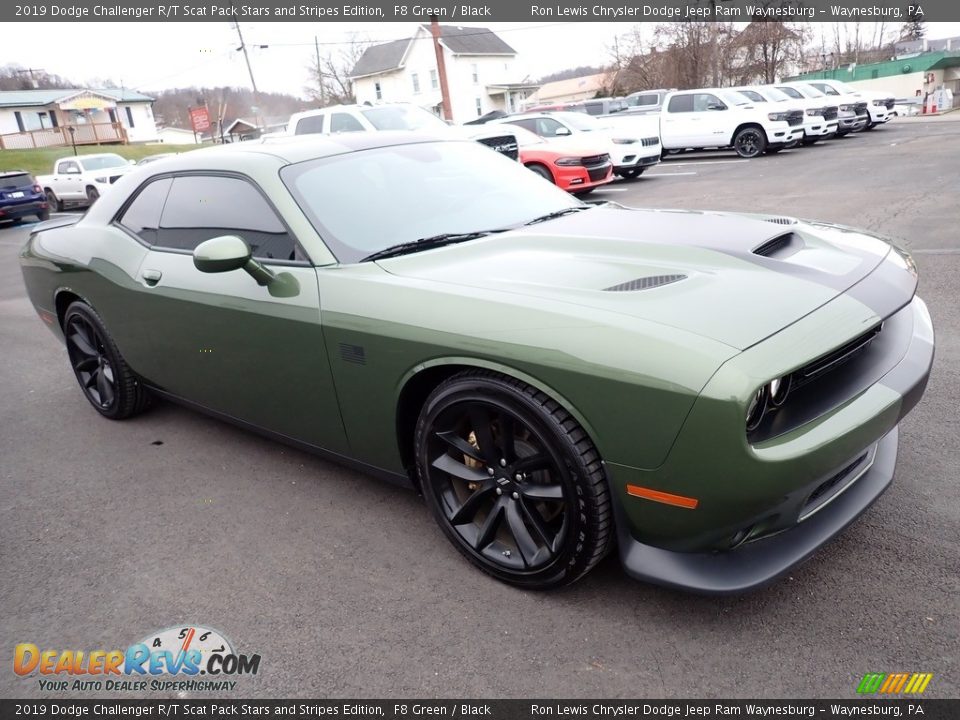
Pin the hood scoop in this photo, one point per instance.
(645, 283)
(780, 247)
(782, 220)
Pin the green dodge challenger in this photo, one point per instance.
(715, 395)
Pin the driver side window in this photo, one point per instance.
(548, 127)
(199, 207)
(703, 101)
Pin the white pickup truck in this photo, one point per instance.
(82, 179)
(715, 118)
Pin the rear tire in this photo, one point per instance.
(43, 215)
(106, 380)
(513, 480)
(54, 201)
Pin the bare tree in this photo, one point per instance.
(765, 48)
(330, 82)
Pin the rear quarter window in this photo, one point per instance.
(309, 125)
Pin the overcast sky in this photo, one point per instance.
(157, 56)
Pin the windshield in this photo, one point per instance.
(736, 98)
(399, 117)
(102, 162)
(584, 123)
(524, 137)
(792, 92)
(824, 88)
(812, 91)
(753, 95)
(775, 95)
(419, 190)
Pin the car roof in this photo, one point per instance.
(298, 148)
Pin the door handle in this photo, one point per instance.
(151, 277)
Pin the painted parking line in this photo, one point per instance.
(703, 162)
(670, 174)
(611, 189)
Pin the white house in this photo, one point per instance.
(43, 118)
(177, 136)
(482, 72)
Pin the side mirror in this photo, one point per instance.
(221, 254)
(716, 106)
(562, 131)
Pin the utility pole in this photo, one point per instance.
(30, 72)
(441, 68)
(323, 89)
(253, 82)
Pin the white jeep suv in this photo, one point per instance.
(716, 118)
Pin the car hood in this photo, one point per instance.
(697, 272)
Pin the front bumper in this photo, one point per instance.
(784, 136)
(853, 123)
(579, 178)
(879, 114)
(817, 126)
(636, 156)
(788, 495)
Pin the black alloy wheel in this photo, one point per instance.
(513, 480)
(106, 380)
(750, 142)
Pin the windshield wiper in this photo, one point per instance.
(428, 242)
(556, 214)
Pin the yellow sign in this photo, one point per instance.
(87, 102)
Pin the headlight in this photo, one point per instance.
(846, 108)
(569, 162)
(756, 409)
(623, 141)
(781, 116)
(878, 103)
(814, 111)
(100, 180)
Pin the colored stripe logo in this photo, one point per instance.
(894, 683)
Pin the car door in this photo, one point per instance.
(710, 121)
(251, 352)
(678, 123)
(67, 182)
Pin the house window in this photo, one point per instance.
(19, 118)
(476, 74)
(434, 83)
(112, 112)
(415, 79)
(377, 91)
(53, 119)
(479, 108)
(129, 116)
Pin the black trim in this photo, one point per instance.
(390, 476)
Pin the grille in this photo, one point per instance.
(832, 360)
(795, 117)
(594, 160)
(650, 141)
(829, 488)
(830, 113)
(860, 108)
(598, 173)
(645, 283)
(503, 144)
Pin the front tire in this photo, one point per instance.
(750, 142)
(632, 173)
(92, 195)
(541, 171)
(513, 481)
(104, 376)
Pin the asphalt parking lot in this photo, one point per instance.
(346, 588)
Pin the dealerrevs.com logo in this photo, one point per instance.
(169, 660)
(894, 683)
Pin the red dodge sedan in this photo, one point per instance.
(574, 168)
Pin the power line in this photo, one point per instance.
(479, 31)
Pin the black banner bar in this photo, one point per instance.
(413, 709)
(487, 11)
